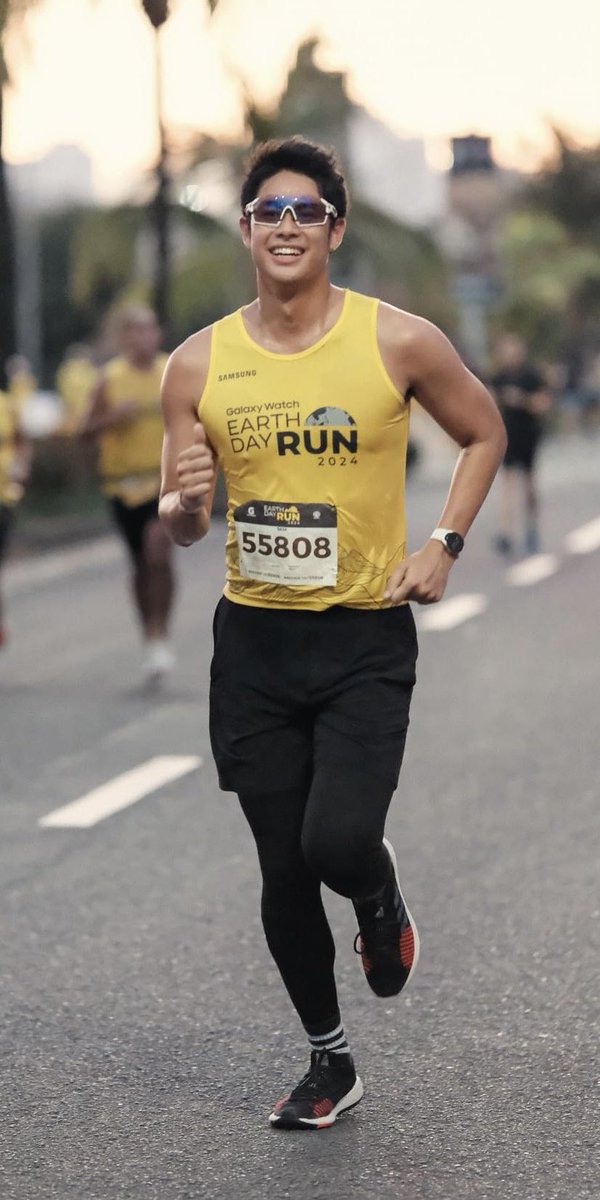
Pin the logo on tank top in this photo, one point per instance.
(330, 433)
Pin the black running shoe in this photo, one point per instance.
(328, 1089)
(387, 941)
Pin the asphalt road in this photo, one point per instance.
(145, 1033)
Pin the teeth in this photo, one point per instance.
(287, 251)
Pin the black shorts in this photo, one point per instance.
(7, 514)
(132, 521)
(522, 440)
(291, 690)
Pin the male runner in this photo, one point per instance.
(124, 415)
(523, 398)
(302, 397)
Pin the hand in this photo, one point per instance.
(124, 412)
(195, 471)
(422, 576)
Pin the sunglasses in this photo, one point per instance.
(304, 209)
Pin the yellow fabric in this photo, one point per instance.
(130, 454)
(10, 492)
(74, 382)
(255, 406)
(21, 385)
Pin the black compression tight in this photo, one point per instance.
(330, 833)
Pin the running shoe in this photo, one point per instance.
(532, 541)
(387, 940)
(329, 1088)
(159, 660)
(503, 544)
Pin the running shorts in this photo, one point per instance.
(523, 437)
(293, 690)
(131, 522)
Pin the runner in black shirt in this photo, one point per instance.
(522, 398)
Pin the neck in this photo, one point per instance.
(291, 309)
(141, 362)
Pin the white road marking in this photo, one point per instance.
(126, 789)
(585, 539)
(449, 613)
(532, 570)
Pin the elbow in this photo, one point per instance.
(501, 439)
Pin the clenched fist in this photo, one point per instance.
(195, 471)
(421, 577)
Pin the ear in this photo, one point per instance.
(245, 231)
(338, 230)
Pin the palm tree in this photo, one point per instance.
(8, 9)
(157, 12)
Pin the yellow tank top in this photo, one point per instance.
(130, 454)
(10, 492)
(313, 450)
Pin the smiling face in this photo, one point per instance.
(289, 252)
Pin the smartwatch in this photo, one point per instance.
(450, 539)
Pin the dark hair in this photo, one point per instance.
(305, 158)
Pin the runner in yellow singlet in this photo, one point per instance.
(303, 398)
(124, 416)
(15, 464)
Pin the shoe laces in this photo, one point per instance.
(317, 1077)
(375, 928)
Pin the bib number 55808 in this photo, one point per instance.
(283, 546)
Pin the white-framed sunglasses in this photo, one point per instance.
(306, 210)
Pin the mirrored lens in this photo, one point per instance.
(306, 211)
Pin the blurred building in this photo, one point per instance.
(61, 177)
(391, 173)
(477, 197)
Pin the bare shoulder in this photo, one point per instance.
(186, 371)
(411, 346)
(192, 357)
(409, 334)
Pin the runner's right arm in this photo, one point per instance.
(188, 462)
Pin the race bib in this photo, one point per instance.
(287, 543)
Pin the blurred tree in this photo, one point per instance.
(552, 254)
(102, 257)
(568, 188)
(8, 9)
(158, 13)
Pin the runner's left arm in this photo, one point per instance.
(461, 405)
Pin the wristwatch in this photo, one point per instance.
(450, 539)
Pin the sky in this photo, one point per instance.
(82, 72)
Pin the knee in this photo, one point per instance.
(338, 857)
(157, 545)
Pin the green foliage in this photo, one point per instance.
(214, 278)
(568, 189)
(63, 318)
(103, 255)
(551, 253)
(402, 265)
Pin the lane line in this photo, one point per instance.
(449, 613)
(585, 539)
(120, 792)
(532, 570)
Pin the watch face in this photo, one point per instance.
(454, 542)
